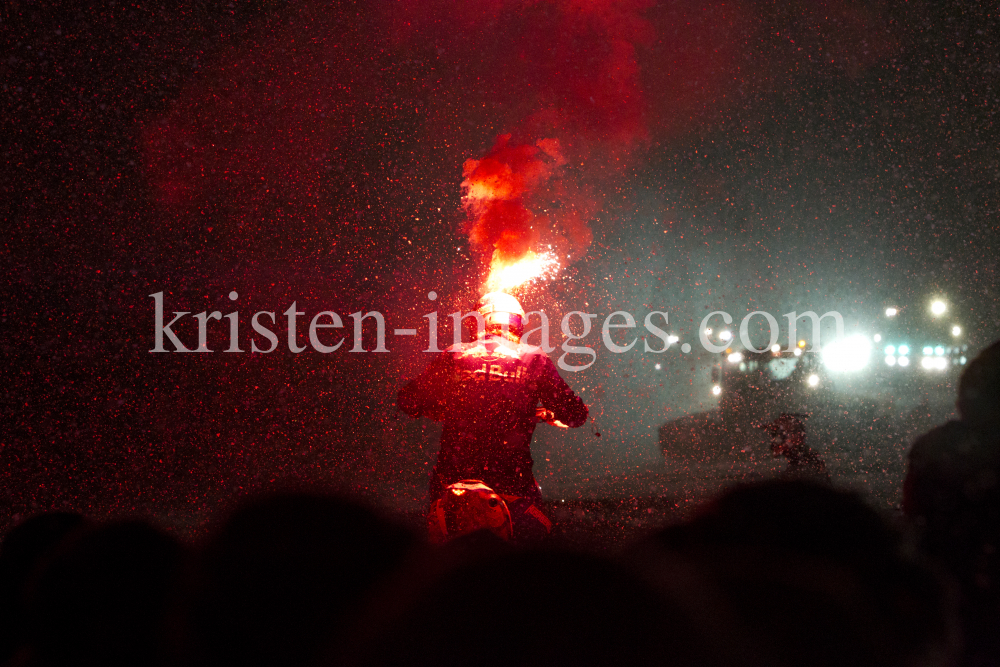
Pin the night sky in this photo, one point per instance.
(739, 156)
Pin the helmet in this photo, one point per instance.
(501, 309)
(465, 507)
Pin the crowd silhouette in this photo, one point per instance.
(783, 572)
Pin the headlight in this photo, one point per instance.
(735, 358)
(904, 361)
(848, 355)
(890, 360)
(813, 380)
(716, 390)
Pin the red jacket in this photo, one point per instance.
(486, 393)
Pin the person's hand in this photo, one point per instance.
(549, 417)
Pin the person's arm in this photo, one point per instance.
(426, 395)
(556, 395)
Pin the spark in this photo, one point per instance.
(508, 275)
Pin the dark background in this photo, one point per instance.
(744, 156)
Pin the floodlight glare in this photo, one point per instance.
(956, 330)
(848, 355)
(891, 349)
(904, 361)
(716, 390)
(904, 350)
(726, 335)
(890, 360)
(938, 307)
(891, 312)
(878, 338)
(813, 380)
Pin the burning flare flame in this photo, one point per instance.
(507, 275)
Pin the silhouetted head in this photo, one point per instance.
(820, 575)
(979, 389)
(539, 608)
(284, 573)
(24, 548)
(103, 597)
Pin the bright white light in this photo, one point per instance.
(956, 330)
(726, 335)
(657, 367)
(904, 350)
(938, 307)
(671, 339)
(890, 360)
(904, 361)
(891, 312)
(939, 350)
(934, 363)
(775, 349)
(735, 357)
(708, 331)
(891, 349)
(962, 361)
(928, 351)
(813, 380)
(878, 338)
(797, 352)
(848, 355)
(716, 390)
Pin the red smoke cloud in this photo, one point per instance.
(577, 61)
(581, 87)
